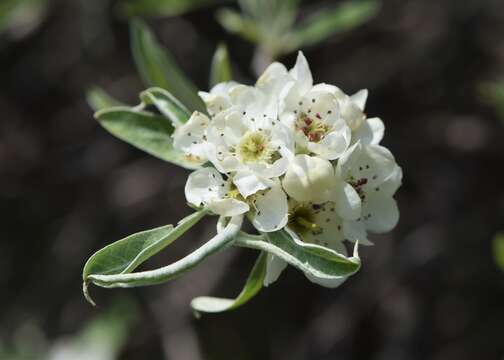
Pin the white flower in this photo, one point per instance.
(317, 223)
(190, 138)
(370, 132)
(206, 188)
(249, 141)
(218, 99)
(267, 209)
(270, 209)
(313, 179)
(375, 176)
(311, 113)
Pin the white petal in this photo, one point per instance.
(248, 183)
(243, 95)
(348, 202)
(269, 171)
(215, 103)
(336, 91)
(352, 114)
(330, 233)
(282, 137)
(333, 145)
(272, 72)
(371, 162)
(274, 267)
(272, 210)
(359, 98)
(381, 214)
(370, 132)
(204, 185)
(309, 179)
(322, 105)
(301, 72)
(356, 231)
(392, 183)
(189, 137)
(228, 207)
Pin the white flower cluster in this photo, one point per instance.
(292, 154)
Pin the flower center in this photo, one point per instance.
(253, 147)
(234, 193)
(313, 128)
(301, 220)
(358, 185)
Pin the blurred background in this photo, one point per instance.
(432, 289)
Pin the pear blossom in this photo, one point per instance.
(313, 179)
(301, 161)
(218, 98)
(292, 155)
(249, 141)
(375, 176)
(190, 138)
(207, 188)
(311, 112)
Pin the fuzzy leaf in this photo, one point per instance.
(321, 25)
(125, 255)
(98, 99)
(158, 68)
(220, 70)
(161, 275)
(167, 104)
(252, 287)
(146, 131)
(315, 261)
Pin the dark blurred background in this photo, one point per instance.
(428, 290)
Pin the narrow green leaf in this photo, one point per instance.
(220, 70)
(146, 131)
(162, 8)
(330, 21)
(315, 261)
(167, 104)
(98, 99)
(158, 68)
(235, 23)
(125, 255)
(252, 287)
(498, 249)
(158, 276)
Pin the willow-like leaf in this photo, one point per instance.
(98, 99)
(158, 67)
(125, 255)
(320, 26)
(220, 70)
(167, 104)
(146, 131)
(316, 262)
(252, 287)
(161, 275)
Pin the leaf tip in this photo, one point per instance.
(87, 295)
